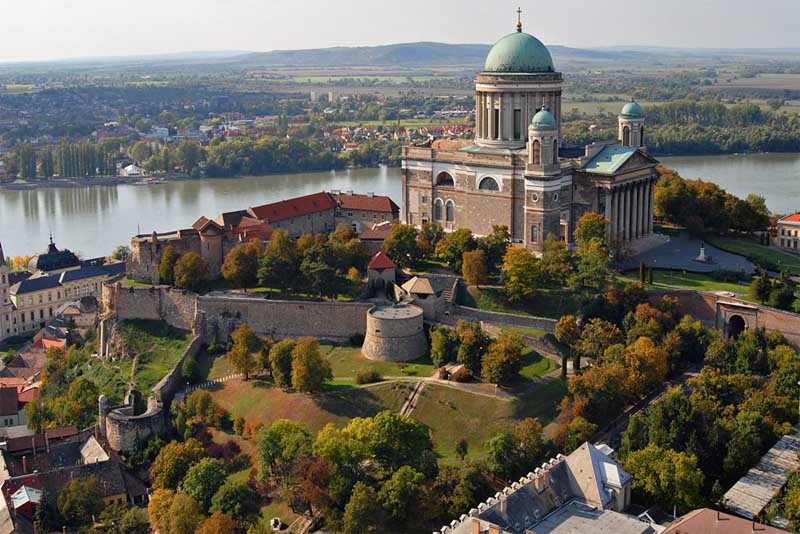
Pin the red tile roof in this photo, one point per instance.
(230, 219)
(795, 217)
(707, 521)
(9, 401)
(379, 232)
(381, 204)
(29, 395)
(295, 207)
(381, 261)
(250, 228)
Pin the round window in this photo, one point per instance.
(555, 197)
(535, 197)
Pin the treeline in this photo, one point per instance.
(67, 160)
(704, 206)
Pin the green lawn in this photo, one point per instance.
(535, 365)
(452, 414)
(773, 258)
(133, 283)
(347, 361)
(701, 282)
(552, 303)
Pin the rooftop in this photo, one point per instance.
(352, 201)
(578, 518)
(707, 521)
(381, 261)
(793, 218)
(396, 312)
(753, 492)
(419, 286)
(295, 207)
(609, 159)
(519, 53)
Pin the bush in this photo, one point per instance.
(368, 377)
(728, 275)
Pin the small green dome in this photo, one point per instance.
(632, 110)
(544, 120)
(519, 53)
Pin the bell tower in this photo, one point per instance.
(631, 125)
(543, 143)
(5, 298)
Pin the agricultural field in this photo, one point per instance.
(772, 82)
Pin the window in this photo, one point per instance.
(423, 199)
(534, 233)
(496, 128)
(626, 136)
(517, 124)
(537, 153)
(555, 152)
(641, 136)
(444, 179)
(450, 211)
(437, 209)
(489, 184)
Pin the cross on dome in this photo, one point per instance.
(519, 19)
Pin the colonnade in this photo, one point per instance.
(501, 126)
(629, 209)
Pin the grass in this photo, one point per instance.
(552, 303)
(347, 361)
(452, 414)
(12, 345)
(128, 282)
(526, 331)
(220, 284)
(535, 366)
(261, 401)
(685, 280)
(757, 253)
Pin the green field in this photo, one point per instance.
(685, 280)
(158, 347)
(756, 253)
(322, 80)
(552, 303)
(347, 361)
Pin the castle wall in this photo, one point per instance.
(176, 307)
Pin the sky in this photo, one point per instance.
(55, 29)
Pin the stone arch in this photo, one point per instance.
(489, 184)
(438, 204)
(450, 211)
(445, 179)
(626, 136)
(736, 325)
(537, 152)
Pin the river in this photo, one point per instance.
(94, 220)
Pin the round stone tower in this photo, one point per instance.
(395, 333)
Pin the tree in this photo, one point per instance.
(592, 274)
(502, 454)
(166, 267)
(203, 480)
(140, 152)
(218, 523)
(121, 253)
(597, 336)
(79, 501)
(343, 233)
(395, 441)
(312, 480)
(279, 264)
(462, 448)
(243, 352)
(361, 511)
(241, 265)
(400, 495)
(429, 236)
(750, 438)
(495, 245)
(647, 364)
(310, 370)
(451, 249)
(174, 461)
(473, 266)
(280, 361)
(236, 499)
(158, 509)
(521, 274)
(590, 227)
(184, 515)
(556, 262)
(473, 342)
(761, 287)
(188, 155)
(401, 245)
(191, 272)
(134, 521)
(670, 478)
(503, 361)
(531, 440)
(279, 446)
(444, 345)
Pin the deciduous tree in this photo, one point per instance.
(166, 267)
(241, 265)
(361, 512)
(174, 460)
(400, 495)
(473, 267)
(191, 272)
(79, 500)
(203, 480)
(280, 360)
(243, 352)
(521, 274)
(310, 370)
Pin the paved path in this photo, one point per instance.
(679, 253)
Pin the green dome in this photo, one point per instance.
(544, 120)
(632, 110)
(519, 53)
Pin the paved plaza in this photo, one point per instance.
(680, 253)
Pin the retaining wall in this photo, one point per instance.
(542, 323)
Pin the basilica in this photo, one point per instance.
(517, 172)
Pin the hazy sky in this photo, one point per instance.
(47, 29)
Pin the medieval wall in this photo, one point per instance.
(395, 339)
(176, 307)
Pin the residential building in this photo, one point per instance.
(707, 521)
(364, 211)
(789, 232)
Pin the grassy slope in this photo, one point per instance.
(698, 281)
(551, 303)
(751, 249)
(347, 361)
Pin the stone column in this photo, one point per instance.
(646, 208)
(651, 203)
(625, 218)
(608, 213)
(637, 210)
(491, 116)
(618, 213)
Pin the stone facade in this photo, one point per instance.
(518, 174)
(789, 232)
(395, 333)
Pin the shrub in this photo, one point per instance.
(368, 377)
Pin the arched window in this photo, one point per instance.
(450, 209)
(437, 209)
(555, 151)
(534, 233)
(489, 184)
(444, 179)
(626, 136)
(537, 153)
(641, 136)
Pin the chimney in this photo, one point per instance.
(476, 526)
(24, 464)
(503, 504)
(494, 529)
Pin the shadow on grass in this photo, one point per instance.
(541, 401)
(345, 400)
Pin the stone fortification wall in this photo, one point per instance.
(395, 333)
(119, 424)
(542, 323)
(330, 321)
(176, 307)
